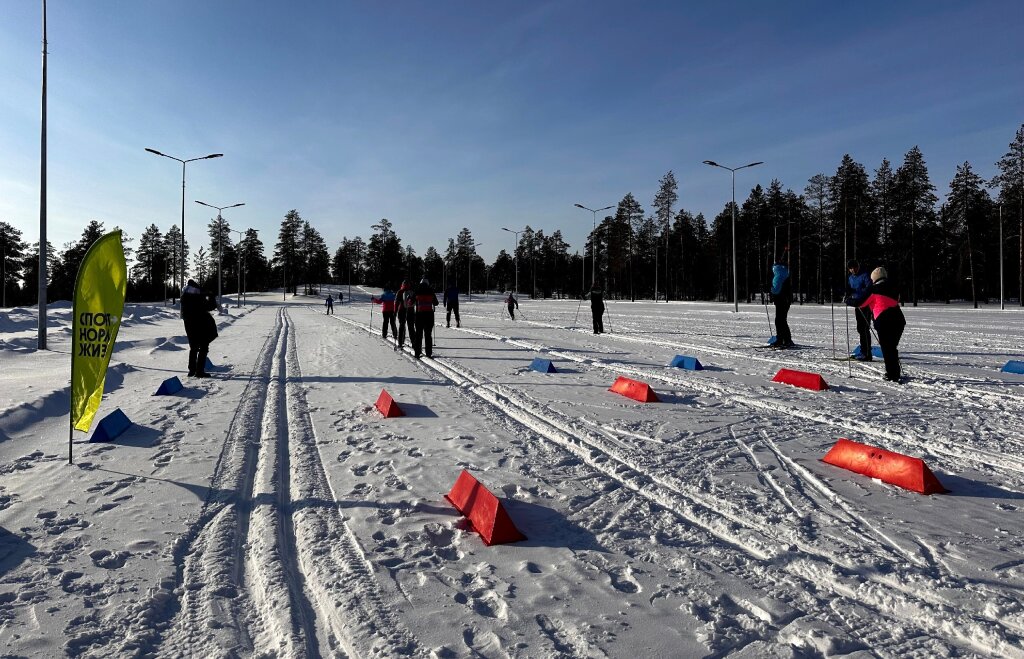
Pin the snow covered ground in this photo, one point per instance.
(271, 511)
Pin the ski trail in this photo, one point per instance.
(978, 630)
(338, 578)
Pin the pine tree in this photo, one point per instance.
(12, 255)
(664, 199)
(915, 208)
(286, 251)
(966, 210)
(883, 199)
(150, 269)
(175, 253)
(816, 193)
(1010, 180)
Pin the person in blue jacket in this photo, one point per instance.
(451, 303)
(782, 298)
(858, 287)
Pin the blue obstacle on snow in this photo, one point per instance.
(111, 426)
(209, 365)
(169, 386)
(772, 340)
(1014, 366)
(542, 365)
(689, 363)
(876, 351)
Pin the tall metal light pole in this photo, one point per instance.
(593, 241)
(220, 244)
(41, 286)
(735, 285)
(184, 257)
(515, 257)
(238, 300)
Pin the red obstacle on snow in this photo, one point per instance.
(801, 379)
(640, 391)
(893, 468)
(484, 511)
(387, 405)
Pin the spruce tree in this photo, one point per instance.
(915, 208)
(664, 199)
(1010, 180)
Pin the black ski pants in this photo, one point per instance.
(389, 317)
(453, 308)
(423, 337)
(405, 326)
(890, 330)
(598, 314)
(864, 330)
(783, 337)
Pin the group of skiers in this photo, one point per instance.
(413, 309)
(872, 297)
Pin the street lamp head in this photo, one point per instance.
(759, 162)
(509, 230)
(155, 151)
(235, 205)
(712, 163)
(212, 155)
(605, 208)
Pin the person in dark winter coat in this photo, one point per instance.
(329, 303)
(858, 287)
(883, 302)
(423, 338)
(512, 304)
(782, 298)
(200, 327)
(451, 303)
(405, 311)
(596, 296)
(387, 309)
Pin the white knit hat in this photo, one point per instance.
(879, 273)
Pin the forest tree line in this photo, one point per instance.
(937, 248)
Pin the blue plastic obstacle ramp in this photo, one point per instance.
(111, 426)
(689, 363)
(772, 340)
(169, 386)
(876, 351)
(542, 365)
(1014, 366)
(209, 365)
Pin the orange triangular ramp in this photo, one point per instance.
(801, 379)
(387, 405)
(640, 391)
(893, 468)
(484, 511)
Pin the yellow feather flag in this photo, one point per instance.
(98, 305)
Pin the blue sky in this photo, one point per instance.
(440, 115)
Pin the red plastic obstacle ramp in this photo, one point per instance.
(801, 379)
(387, 405)
(640, 391)
(484, 511)
(893, 468)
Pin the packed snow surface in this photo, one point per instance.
(272, 511)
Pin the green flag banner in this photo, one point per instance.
(98, 305)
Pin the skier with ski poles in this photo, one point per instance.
(426, 300)
(512, 304)
(889, 320)
(858, 285)
(782, 297)
(329, 303)
(596, 296)
(387, 303)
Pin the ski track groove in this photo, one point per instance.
(735, 394)
(976, 631)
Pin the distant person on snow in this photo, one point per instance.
(329, 303)
(405, 303)
(200, 327)
(426, 300)
(513, 304)
(889, 320)
(387, 309)
(596, 296)
(782, 297)
(451, 303)
(341, 297)
(858, 287)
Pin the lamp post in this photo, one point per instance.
(515, 256)
(735, 285)
(238, 301)
(220, 244)
(593, 242)
(184, 259)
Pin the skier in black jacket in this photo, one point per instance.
(782, 297)
(596, 296)
(426, 300)
(200, 327)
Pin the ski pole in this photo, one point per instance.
(605, 312)
(849, 362)
(832, 303)
(577, 313)
(768, 317)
